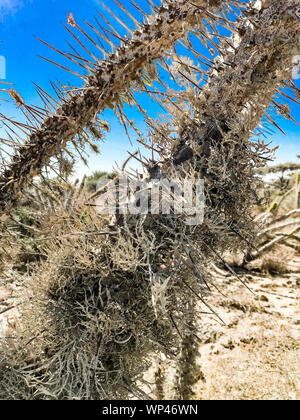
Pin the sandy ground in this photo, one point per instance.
(9, 288)
(256, 355)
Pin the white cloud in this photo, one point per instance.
(296, 67)
(10, 7)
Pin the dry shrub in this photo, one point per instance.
(280, 259)
(272, 265)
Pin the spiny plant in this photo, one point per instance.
(285, 170)
(108, 296)
(280, 223)
(280, 168)
(92, 181)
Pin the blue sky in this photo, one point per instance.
(23, 20)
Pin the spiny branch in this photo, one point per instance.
(110, 77)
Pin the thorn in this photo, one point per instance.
(62, 53)
(136, 158)
(91, 40)
(203, 301)
(124, 124)
(57, 91)
(78, 56)
(229, 268)
(187, 78)
(116, 36)
(62, 67)
(106, 21)
(106, 38)
(117, 19)
(138, 8)
(81, 44)
(173, 322)
(274, 123)
(288, 97)
(153, 7)
(128, 14)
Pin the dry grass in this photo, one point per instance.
(279, 260)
